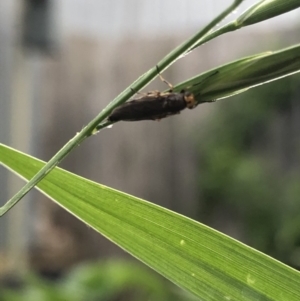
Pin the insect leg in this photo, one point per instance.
(137, 92)
(155, 93)
(164, 80)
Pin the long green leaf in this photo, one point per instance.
(203, 261)
(243, 74)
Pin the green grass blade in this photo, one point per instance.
(265, 10)
(197, 258)
(261, 11)
(243, 74)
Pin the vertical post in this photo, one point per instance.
(20, 138)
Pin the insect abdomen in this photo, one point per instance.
(149, 108)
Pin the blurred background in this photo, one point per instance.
(233, 164)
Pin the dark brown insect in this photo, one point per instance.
(154, 105)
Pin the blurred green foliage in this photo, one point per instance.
(110, 280)
(249, 152)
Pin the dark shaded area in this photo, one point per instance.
(36, 27)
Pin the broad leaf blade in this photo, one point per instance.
(203, 261)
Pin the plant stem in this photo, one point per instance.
(121, 98)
